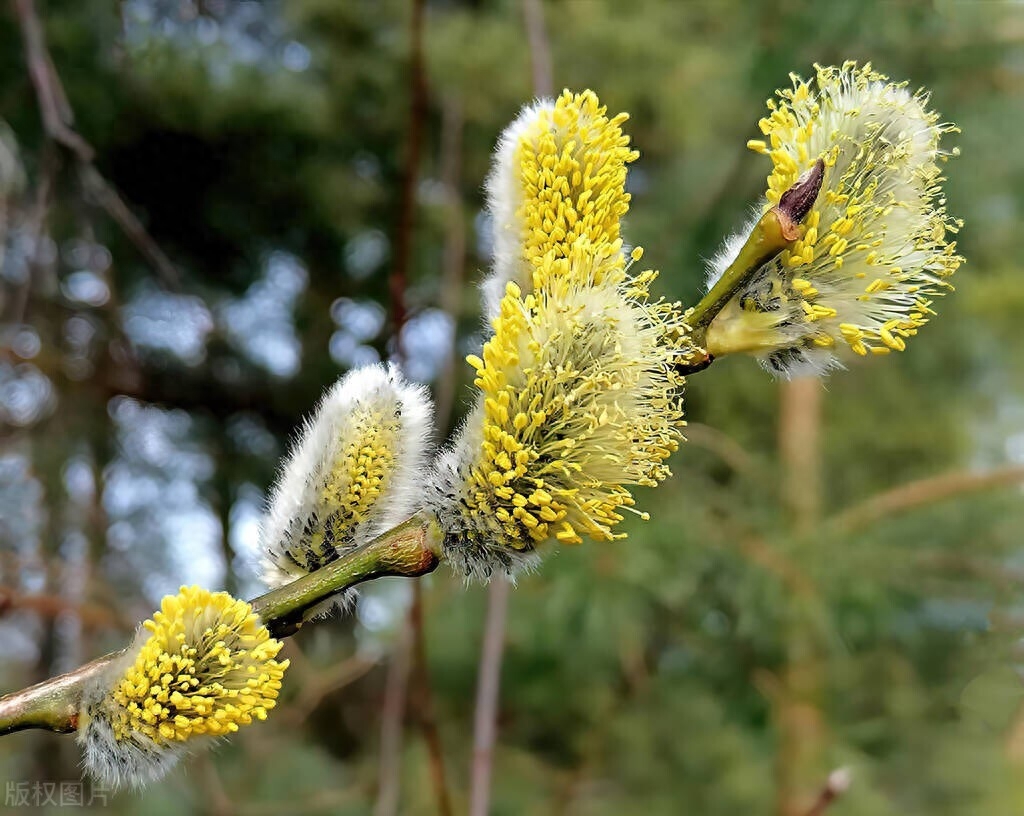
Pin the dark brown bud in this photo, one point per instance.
(797, 201)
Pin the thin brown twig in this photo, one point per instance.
(53, 104)
(451, 287)
(58, 124)
(36, 224)
(108, 198)
(485, 726)
(392, 716)
(218, 801)
(800, 402)
(921, 493)
(405, 227)
(319, 683)
(423, 701)
(731, 452)
(799, 721)
(539, 48)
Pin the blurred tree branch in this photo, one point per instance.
(921, 493)
(392, 717)
(49, 167)
(539, 48)
(797, 701)
(453, 272)
(727, 449)
(51, 606)
(58, 124)
(317, 683)
(414, 664)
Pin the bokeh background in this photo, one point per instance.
(833, 577)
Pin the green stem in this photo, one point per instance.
(412, 548)
(768, 238)
(776, 231)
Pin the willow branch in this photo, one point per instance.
(921, 493)
(777, 230)
(53, 105)
(389, 773)
(320, 682)
(799, 717)
(410, 549)
(454, 253)
(800, 408)
(539, 48)
(774, 232)
(405, 227)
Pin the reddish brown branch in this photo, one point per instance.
(454, 264)
(731, 452)
(53, 105)
(111, 202)
(392, 718)
(318, 684)
(49, 166)
(800, 403)
(799, 719)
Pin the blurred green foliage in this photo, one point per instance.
(718, 661)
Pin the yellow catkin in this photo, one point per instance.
(876, 238)
(572, 169)
(360, 474)
(207, 667)
(579, 394)
(579, 400)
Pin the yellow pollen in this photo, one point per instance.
(207, 667)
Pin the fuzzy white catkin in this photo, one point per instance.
(133, 762)
(875, 246)
(353, 473)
